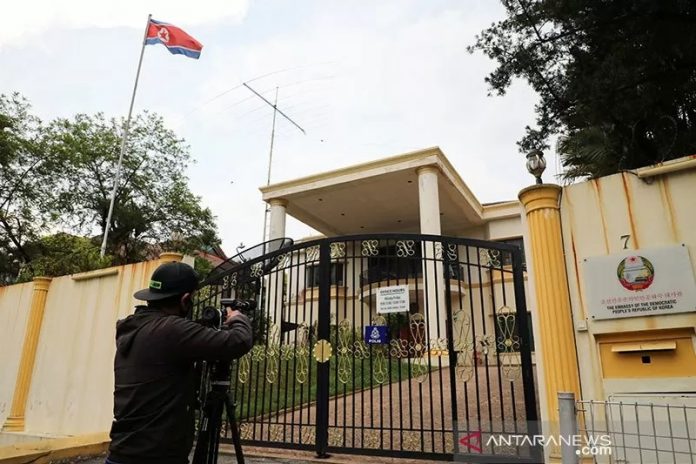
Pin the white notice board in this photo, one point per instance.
(393, 299)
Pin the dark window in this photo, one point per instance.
(507, 256)
(388, 265)
(312, 275)
(506, 325)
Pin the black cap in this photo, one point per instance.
(169, 279)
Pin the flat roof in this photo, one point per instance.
(382, 196)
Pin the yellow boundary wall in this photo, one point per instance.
(46, 451)
(58, 348)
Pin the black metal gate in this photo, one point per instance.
(397, 345)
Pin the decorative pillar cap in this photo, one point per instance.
(540, 196)
(428, 168)
(171, 256)
(42, 282)
(278, 202)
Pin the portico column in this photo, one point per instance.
(433, 282)
(276, 229)
(277, 220)
(428, 200)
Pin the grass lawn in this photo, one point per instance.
(257, 396)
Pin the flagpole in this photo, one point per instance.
(124, 141)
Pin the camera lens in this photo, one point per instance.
(210, 316)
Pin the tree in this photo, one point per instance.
(57, 177)
(616, 80)
(62, 254)
(26, 176)
(154, 208)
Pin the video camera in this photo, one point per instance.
(214, 317)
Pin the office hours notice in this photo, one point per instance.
(392, 299)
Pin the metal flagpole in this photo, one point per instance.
(124, 141)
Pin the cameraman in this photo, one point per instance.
(154, 394)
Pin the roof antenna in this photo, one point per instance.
(273, 105)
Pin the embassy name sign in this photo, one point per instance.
(642, 282)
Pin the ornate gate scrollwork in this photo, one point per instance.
(272, 353)
(463, 345)
(302, 354)
(508, 343)
(404, 248)
(489, 258)
(344, 351)
(380, 371)
(370, 247)
(419, 347)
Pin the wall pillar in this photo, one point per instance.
(433, 272)
(556, 333)
(277, 219)
(15, 420)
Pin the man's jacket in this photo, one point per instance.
(155, 386)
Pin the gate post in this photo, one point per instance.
(323, 333)
(557, 336)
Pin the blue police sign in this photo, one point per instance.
(376, 334)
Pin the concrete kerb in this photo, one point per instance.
(57, 449)
(310, 456)
(54, 449)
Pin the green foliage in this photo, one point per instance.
(202, 267)
(63, 254)
(26, 175)
(154, 206)
(58, 177)
(616, 80)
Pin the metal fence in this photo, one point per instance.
(625, 432)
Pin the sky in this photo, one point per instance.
(365, 79)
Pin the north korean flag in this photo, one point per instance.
(176, 40)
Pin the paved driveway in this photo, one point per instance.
(223, 459)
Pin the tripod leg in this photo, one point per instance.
(234, 428)
(206, 451)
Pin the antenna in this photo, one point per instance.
(273, 105)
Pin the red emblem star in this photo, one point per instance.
(163, 34)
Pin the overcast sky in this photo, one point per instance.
(366, 79)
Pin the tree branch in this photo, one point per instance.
(543, 78)
(19, 182)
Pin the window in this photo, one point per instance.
(312, 275)
(507, 257)
(388, 265)
(507, 325)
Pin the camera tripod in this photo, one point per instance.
(217, 398)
